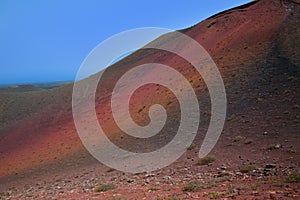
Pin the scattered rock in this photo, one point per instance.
(269, 166)
(265, 133)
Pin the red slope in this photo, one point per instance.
(236, 39)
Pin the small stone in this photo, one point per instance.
(223, 173)
(277, 146)
(272, 192)
(296, 106)
(238, 173)
(167, 177)
(269, 166)
(223, 168)
(149, 175)
(130, 180)
(259, 99)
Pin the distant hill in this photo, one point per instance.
(6, 88)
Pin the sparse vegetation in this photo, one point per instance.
(194, 186)
(239, 187)
(271, 147)
(110, 170)
(247, 168)
(277, 183)
(191, 147)
(237, 138)
(105, 187)
(248, 142)
(223, 179)
(231, 117)
(215, 195)
(209, 185)
(206, 160)
(255, 186)
(296, 106)
(291, 151)
(274, 146)
(294, 177)
(286, 112)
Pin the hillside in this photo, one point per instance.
(256, 48)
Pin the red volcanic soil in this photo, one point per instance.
(256, 48)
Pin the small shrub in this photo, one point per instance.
(277, 183)
(239, 187)
(237, 138)
(296, 106)
(215, 195)
(105, 187)
(286, 112)
(231, 117)
(247, 168)
(206, 160)
(248, 142)
(255, 186)
(110, 170)
(293, 177)
(274, 146)
(291, 151)
(209, 185)
(194, 186)
(191, 147)
(271, 147)
(223, 179)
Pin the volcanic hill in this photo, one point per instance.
(256, 47)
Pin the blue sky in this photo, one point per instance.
(45, 41)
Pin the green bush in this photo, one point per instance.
(247, 168)
(206, 160)
(105, 187)
(237, 138)
(294, 177)
(194, 186)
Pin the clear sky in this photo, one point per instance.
(46, 41)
